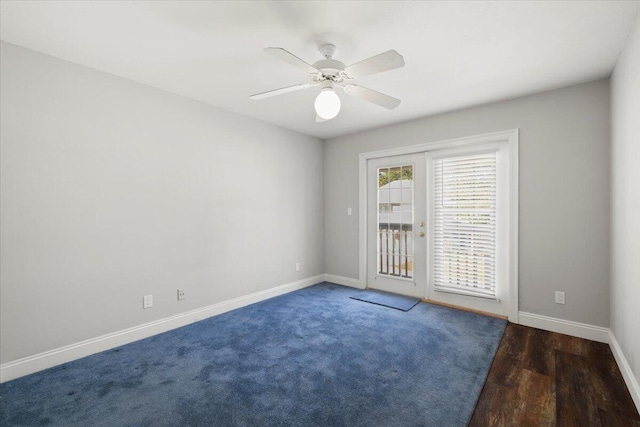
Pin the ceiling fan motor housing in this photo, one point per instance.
(329, 69)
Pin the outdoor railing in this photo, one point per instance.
(395, 250)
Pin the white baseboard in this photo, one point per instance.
(625, 369)
(48, 359)
(576, 329)
(345, 281)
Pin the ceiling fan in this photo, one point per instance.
(330, 73)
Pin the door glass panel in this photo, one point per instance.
(395, 221)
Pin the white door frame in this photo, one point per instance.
(511, 137)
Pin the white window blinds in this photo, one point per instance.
(465, 225)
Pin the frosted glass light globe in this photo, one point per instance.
(327, 104)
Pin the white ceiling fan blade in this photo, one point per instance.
(281, 91)
(388, 60)
(285, 55)
(386, 101)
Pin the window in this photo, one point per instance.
(395, 221)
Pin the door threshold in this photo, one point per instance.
(458, 307)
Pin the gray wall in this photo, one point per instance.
(564, 192)
(625, 200)
(111, 190)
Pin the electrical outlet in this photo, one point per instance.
(147, 301)
(297, 266)
(181, 294)
(559, 297)
(349, 211)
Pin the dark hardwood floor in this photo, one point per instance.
(541, 378)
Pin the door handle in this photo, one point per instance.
(421, 234)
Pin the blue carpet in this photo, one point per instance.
(399, 302)
(314, 357)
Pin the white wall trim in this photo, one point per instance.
(514, 225)
(625, 369)
(500, 136)
(345, 281)
(568, 327)
(48, 359)
(512, 138)
(362, 208)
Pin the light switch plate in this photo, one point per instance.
(147, 301)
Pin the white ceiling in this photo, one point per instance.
(457, 54)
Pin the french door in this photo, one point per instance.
(396, 224)
(437, 226)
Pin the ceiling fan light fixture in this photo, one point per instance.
(327, 104)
